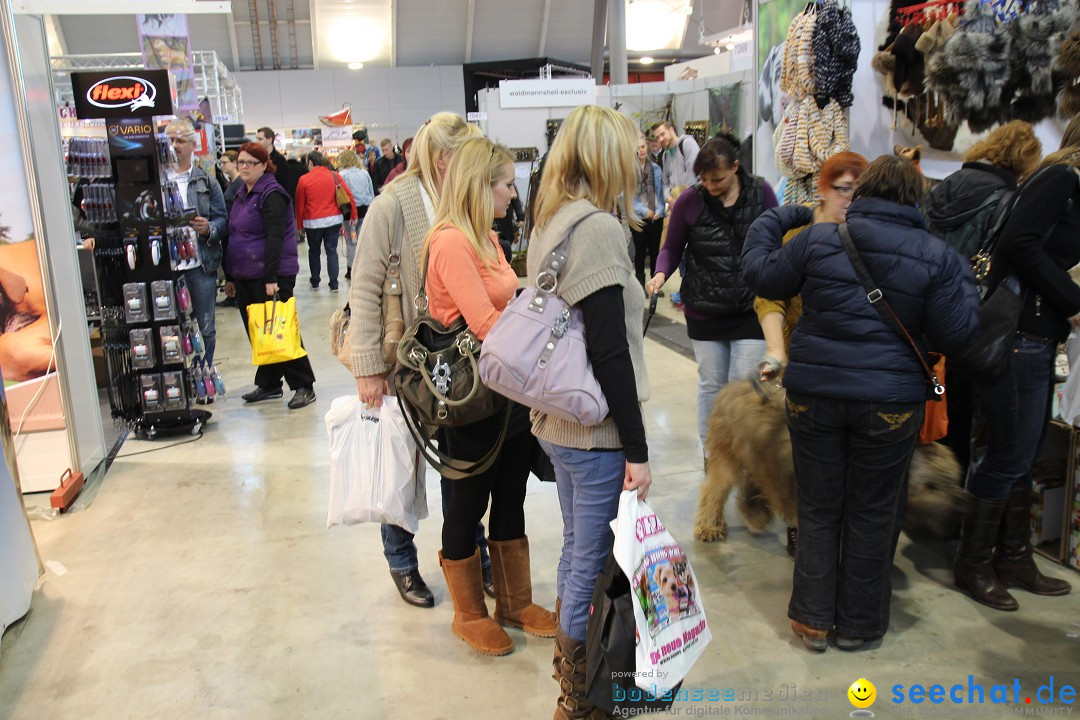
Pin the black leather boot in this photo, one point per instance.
(974, 569)
(1014, 562)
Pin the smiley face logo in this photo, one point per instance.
(862, 693)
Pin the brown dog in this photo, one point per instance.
(748, 446)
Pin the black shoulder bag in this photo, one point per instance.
(877, 300)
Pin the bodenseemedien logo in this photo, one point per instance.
(862, 695)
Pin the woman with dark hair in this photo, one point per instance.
(856, 391)
(1038, 245)
(319, 217)
(262, 261)
(708, 225)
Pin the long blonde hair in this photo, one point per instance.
(348, 159)
(467, 202)
(443, 133)
(594, 157)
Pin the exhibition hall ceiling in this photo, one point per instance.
(286, 34)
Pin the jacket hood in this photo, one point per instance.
(957, 197)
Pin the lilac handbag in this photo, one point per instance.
(536, 352)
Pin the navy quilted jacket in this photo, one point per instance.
(841, 347)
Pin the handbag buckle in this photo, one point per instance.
(546, 281)
(418, 355)
(440, 375)
(562, 323)
(465, 344)
(874, 295)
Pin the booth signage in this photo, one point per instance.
(563, 92)
(110, 95)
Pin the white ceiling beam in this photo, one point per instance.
(56, 33)
(393, 33)
(544, 29)
(267, 22)
(119, 7)
(233, 46)
(469, 31)
(314, 38)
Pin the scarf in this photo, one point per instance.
(646, 185)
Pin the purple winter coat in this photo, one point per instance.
(247, 250)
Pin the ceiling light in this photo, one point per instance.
(646, 60)
(716, 50)
(730, 46)
(356, 66)
(656, 24)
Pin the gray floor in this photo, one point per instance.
(200, 581)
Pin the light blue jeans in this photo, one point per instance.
(203, 291)
(720, 362)
(589, 483)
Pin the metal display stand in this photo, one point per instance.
(152, 343)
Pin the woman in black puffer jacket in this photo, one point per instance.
(855, 390)
(1038, 245)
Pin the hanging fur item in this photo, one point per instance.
(1067, 66)
(971, 73)
(1036, 39)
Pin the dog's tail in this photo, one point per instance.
(754, 507)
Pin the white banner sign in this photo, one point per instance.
(547, 93)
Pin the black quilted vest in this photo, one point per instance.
(713, 282)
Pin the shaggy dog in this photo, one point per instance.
(748, 446)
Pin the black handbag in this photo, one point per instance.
(438, 386)
(610, 651)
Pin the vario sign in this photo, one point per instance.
(125, 93)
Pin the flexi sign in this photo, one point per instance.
(122, 94)
(122, 91)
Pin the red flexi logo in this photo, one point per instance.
(122, 91)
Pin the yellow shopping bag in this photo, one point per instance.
(274, 330)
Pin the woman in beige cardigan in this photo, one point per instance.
(397, 222)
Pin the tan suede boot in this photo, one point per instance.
(471, 623)
(513, 589)
(569, 665)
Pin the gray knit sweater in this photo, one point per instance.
(397, 212)
(596, 259)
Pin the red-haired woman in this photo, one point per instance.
(262, 262)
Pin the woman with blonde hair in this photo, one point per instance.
(357, 178)
(1038, 245)
(394, 230)
(591, 163)
(468, 277)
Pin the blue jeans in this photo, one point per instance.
(203, 290)
(351, 234)
(589, 484)
(851, 463)
(317, 238)
(1015, 405)
(720, 362)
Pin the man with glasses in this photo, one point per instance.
(202, 194)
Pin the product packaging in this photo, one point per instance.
(152, 397)
(142, 348)
(161, 291)
(171, 347)
(136, 303)
(175, 398)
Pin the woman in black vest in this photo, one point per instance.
(708, 224)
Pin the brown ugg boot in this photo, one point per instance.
(569, 665)
(471, 622)
(513, 589)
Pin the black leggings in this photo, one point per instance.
(647, 242)
(504, 482)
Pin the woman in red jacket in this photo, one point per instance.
(318, 215)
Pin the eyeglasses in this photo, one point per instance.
(844, 191)
(183, 140)
(248, 163)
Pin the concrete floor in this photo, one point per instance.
(200, 581)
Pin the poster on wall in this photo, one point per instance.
(25, 338)
(166, 46)
(774, 17)
(725, 106)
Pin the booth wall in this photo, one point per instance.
(394, 101)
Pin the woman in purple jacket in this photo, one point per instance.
(262, 262)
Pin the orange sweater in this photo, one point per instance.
(458, 284)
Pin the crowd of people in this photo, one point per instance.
(773, 293)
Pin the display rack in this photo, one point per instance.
(152, 343)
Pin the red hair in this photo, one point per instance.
(839, 165)
(258, 152)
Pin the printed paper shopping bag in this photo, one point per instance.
(274, 330)
(671, 625)
(373, 466)
(611, 651)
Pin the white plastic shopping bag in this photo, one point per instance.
(1070, 394)
(373, 466)
(672, 631)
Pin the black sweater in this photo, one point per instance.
(1040, 243)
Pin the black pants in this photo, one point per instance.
(851, 464)
(297, 373)
(647, 241)
(504, 483)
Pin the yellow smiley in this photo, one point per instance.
(862, 693)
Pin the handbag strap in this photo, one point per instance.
(448, 467)
(877, 300)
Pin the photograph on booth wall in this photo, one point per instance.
(25, 339)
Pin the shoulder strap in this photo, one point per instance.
(877, 300)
